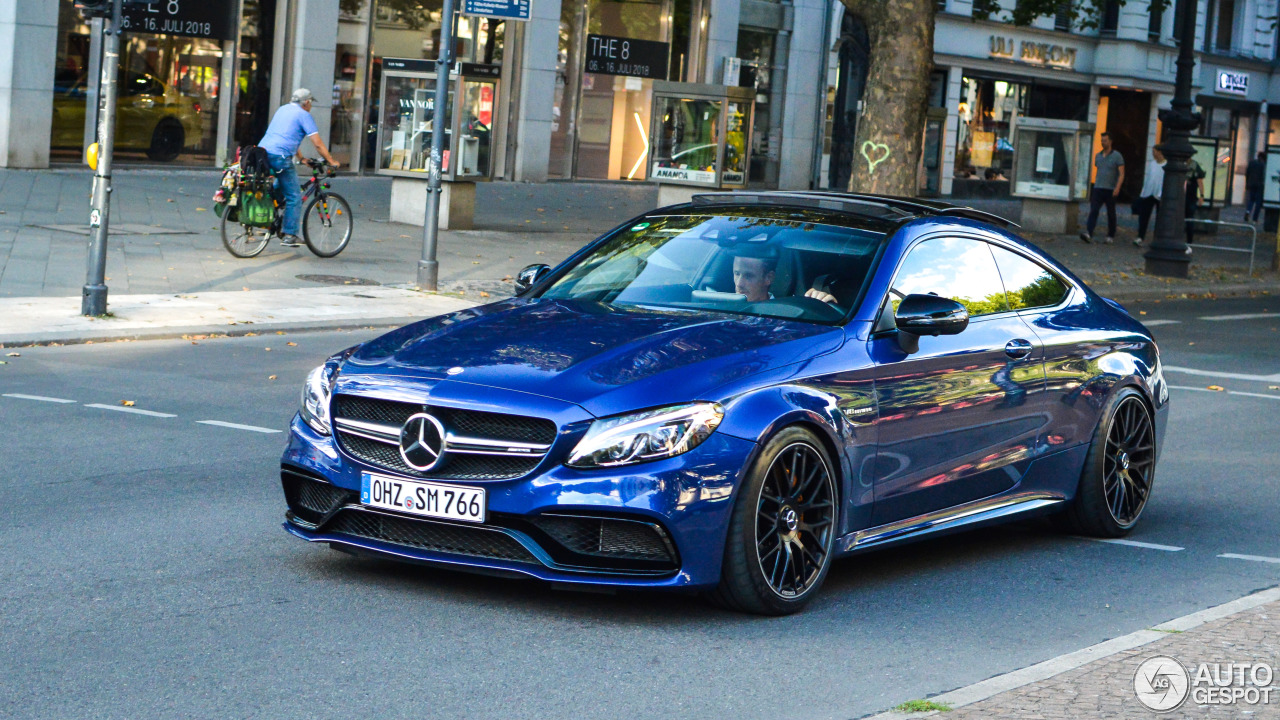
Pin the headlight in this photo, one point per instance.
(650, 435)
(315, 397)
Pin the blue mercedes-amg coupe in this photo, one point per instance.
(726, 395)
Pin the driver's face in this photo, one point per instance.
(751, 279)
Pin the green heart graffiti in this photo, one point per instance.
(873, 163)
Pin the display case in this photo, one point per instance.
(1051, 159)
(407, 106)
(701, 134)
(1213, 156)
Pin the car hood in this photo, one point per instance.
(602, 357)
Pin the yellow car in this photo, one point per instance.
(149, 116)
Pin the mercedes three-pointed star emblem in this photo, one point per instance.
(421, 441)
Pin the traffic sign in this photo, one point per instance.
(501, 9)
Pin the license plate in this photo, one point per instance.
(428, 499)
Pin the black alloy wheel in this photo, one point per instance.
(783, 529)
(1129, 461)
(1119, 470)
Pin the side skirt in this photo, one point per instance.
(972, 513)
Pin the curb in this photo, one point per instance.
(211, 331)
(1233, 290)
(990, 687)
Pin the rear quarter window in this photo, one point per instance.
(1028, 284)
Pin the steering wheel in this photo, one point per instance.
(808, 307)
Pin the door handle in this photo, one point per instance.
(1017, 349)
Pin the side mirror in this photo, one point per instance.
(530, 276)
(927, 315)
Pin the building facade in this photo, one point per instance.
(200, 79)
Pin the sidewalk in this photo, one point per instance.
(166, 241)
(1101, 681)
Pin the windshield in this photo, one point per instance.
(770, 266)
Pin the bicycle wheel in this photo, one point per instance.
(241, 240)
(327, 224)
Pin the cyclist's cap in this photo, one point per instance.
(300, 95)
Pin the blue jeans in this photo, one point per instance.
(287, 184)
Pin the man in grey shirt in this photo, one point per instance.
(1108, 180)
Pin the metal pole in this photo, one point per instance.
(94, 298)
(1168, 255)
(428, 268)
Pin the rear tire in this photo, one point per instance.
(241, 240)
(1118, 472)
(326, 237)
(167, 141)
(782, 530)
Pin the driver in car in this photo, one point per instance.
(752, 277)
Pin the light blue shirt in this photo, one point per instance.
(289, 127)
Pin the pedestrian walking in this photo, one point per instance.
(1152, 188)
(1255, 179)
(1106, 183)
(1194, 194)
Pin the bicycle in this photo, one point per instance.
(327, 221)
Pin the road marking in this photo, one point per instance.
(1255, 558)
(1155, 323)
(136, 411)
(1138, 544)
(1226, 392)
(1245, 316)
(237, 426)
(1217, 374)
(1249, 394)
(39, 398)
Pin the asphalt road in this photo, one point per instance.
(146, 574)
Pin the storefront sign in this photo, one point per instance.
(504, 9)
(188, 18)
(409, 65)
(1233, 83)
(624, 56)
(683, 174)
(1035, 53)
(479, 70)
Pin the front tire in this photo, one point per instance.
(783, 528)
(1118, 472)
(327, 224)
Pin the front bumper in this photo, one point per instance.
(600, 527)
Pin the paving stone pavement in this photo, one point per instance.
(518, 224)
(1104, 688)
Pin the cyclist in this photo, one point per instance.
(292, 124)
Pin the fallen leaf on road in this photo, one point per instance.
(127, 403)
(268, 349)
(245, 289)
(169, 200)
(541, 210)
(13, 354)
(1191, 343)
(292, 344)
(202, 209)
(4, 362)
(539, 252)
(251, 334)
(1216, 388)
(271, 377)
(484, 294)
(1142, 312)
(475, 262)
(1273, 387)
(279, 332)
(404, 236)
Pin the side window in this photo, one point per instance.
(1028, 284)
(957, 268)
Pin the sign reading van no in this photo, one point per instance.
(189, 18)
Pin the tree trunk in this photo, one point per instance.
(890, 132)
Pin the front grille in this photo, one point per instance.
(428, 535)
(606, 538)
(310, 498)
(454, 467)
(497, 427)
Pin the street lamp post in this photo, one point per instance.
(1168, 256)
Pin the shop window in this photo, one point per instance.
(984, 151)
